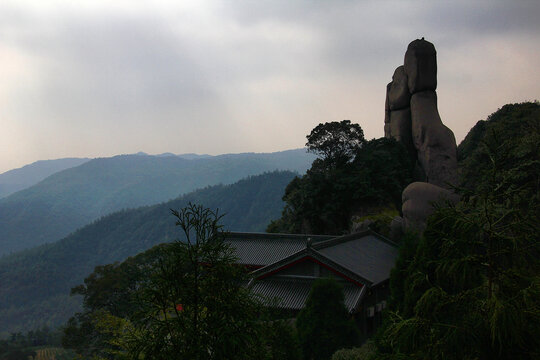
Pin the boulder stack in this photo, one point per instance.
(412, 117)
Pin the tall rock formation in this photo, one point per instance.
(412, 117)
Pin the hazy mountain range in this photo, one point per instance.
(76, 196)
(35, 283)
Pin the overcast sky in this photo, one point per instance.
(101, 78)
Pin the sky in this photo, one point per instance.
(102, 78)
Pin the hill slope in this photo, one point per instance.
(72, 198)
(513, 125)
(18, 179)
(35, 284)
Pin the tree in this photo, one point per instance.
(112, 289)
(336, 142)
(283, 341)
(324, 325)
(325, 198)
(191, 303)
(472, 288)
(18, 354)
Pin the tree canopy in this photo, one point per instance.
(336, 142)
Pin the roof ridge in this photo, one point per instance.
(275, 236)
(340, 239)
(353, 236)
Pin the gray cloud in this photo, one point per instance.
(117, 65)
(221, 76)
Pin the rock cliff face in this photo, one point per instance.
(412, 117)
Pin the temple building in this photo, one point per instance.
(283, 268)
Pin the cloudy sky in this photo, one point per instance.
(101, 78)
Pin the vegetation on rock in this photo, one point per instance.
(359, 179)
(470, 287)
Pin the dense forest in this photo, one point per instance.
(35, 283)
(70, 199)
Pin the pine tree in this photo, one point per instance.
(324, 325)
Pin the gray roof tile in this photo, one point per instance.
(261, 249)
(292, 293)
(367, 255)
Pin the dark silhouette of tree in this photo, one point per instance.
(336, 142)
(324, 325)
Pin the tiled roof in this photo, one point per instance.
(261, 249)
(292, 293)
(365, 257)
(369, 256)
(359, 261)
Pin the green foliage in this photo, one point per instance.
(183, 299)
(513, 124)
(400, 274)
(283, 341)
(18, 354)
(219, 317)
(324, 200)
(380, 221)
(110, 294)
(336, 142)
(365, 352)
(472, 288)
(36, 283)
(19, 346)
(324, 324)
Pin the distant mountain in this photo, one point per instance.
(192, 156)
(18, 179)
(35, 283)
(72, 198)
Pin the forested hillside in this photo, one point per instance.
(35, 284)
(469, 288)
(18, 179)
(72, 198)
(513, 125)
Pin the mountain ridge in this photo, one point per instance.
(21, 178)
(74, 197)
